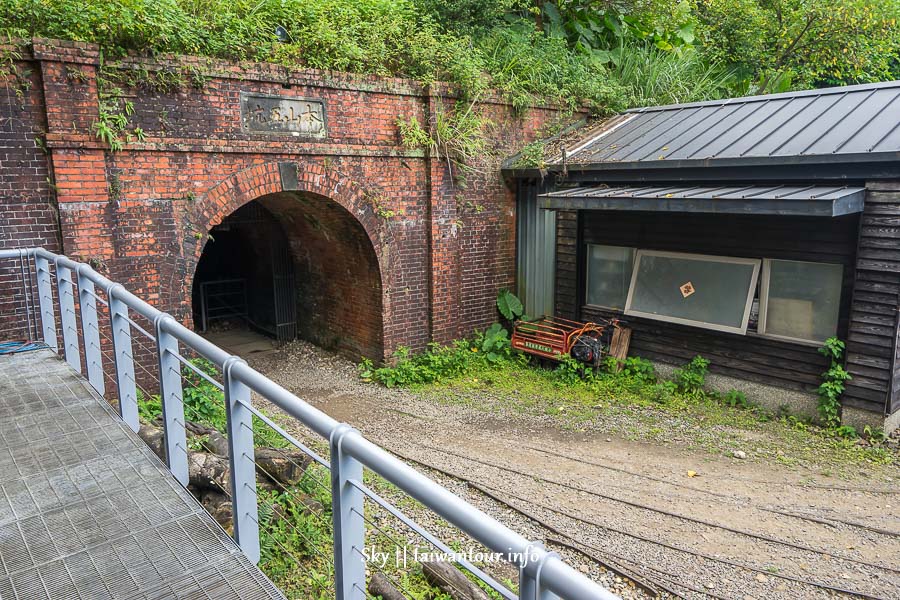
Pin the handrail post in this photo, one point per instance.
(90, 332)
(172, 403)
(241, 455)
(347, 511)
(45, 301)
(122, 353)
(67, 315)
(530, 576)
(27, 292)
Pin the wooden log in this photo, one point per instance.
(450, 580)
(209, 471)
(380, 586)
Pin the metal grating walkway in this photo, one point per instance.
(88, 511)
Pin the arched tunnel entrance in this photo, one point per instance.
(293, 265)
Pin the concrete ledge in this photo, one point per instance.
(799, 403)
(862, 418)
(769, 397)
(892, 423)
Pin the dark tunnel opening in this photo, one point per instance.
(246, 275)
(293, 265)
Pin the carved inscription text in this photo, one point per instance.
(275, 114)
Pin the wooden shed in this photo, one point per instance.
(746, 230)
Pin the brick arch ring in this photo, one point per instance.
(291, 176)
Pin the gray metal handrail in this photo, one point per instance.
(543, 575)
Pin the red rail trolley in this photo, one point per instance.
(550, 337)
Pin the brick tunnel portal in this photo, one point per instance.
(292, 265)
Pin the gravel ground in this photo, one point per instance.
(634, 503)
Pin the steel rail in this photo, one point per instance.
(397, 513)
(674, 515)
(543, 574)
(495, 495)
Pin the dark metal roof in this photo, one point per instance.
(845, 124)
(808, 200)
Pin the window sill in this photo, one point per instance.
(787, 340)
(620, 311)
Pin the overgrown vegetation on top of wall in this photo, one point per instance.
(609, 54)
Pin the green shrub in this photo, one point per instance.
(571, 372)
(664, 392)
(691, 378)
(848, 432)
(436, 363)
(149, 407)
(608, 55)
(439, 362)
(463, 16)
(802, 43)
(205, 403)
(494, 343)
(735, 399)
(639, 369)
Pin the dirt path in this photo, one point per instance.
(734, 529)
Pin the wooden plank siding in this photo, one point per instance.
(872, 348)
(753, 357)
(567, 270)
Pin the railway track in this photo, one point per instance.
(830, 521)
(647, 576)
(641, 506)
(758, 482)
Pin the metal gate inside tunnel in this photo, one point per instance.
(246, 275)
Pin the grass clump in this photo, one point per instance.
(296, 536)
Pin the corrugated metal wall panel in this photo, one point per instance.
(536, 252)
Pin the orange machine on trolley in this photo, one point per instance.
(551, 337)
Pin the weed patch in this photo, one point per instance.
(632, 401)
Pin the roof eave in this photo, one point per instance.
(746, 161)
(524, 173)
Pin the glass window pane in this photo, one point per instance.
(609, 275)
(804, 299)
(700, 289)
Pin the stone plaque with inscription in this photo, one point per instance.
(302, 117)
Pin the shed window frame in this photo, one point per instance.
(756, 263)
(765, 280)
(587, 275)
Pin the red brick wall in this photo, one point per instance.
(143, 212)
(337, 275)
(27, 211)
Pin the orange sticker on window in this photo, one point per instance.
(687, 289)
